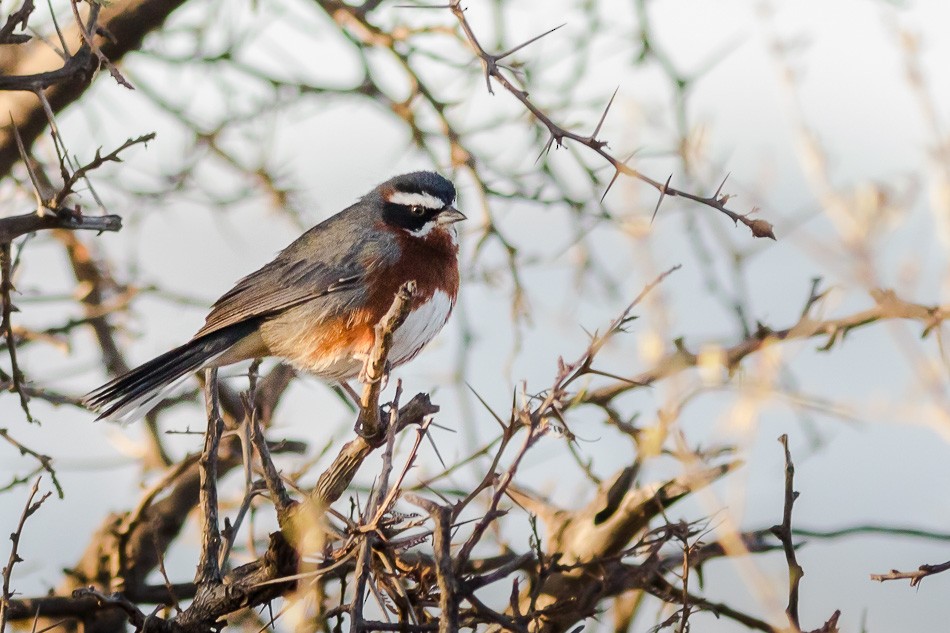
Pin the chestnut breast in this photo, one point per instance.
(331, 339)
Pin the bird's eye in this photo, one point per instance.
(417, 210)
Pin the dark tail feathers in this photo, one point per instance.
(133, 394)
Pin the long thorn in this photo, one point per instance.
(610, 184)
(719, 190)
(596, 131)
(534, 39)
(486, 405)
(29, 166)
(546, 149)
(616, 175)
(660, 200)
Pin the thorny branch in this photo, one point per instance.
(6, 593)
(888, 306)
(571, 549)
(6, 289)
(915, 577)
(609, 547)
(45, 462)
(20, 18)
(117, 29)
(558, 134)
(98, 161)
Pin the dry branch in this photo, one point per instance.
(915, 577)
(558, 134)
(607, 548)
(587, 543)
(5, 591)
(126, 548)
(19, 18)
(334, 481)
(209, 573)
(62, 218)
(784, 534)
(888, 306)
(127, 23)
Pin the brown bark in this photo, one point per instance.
(127, 23)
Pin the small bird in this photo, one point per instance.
(316, 304)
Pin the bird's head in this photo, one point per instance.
(419, 203)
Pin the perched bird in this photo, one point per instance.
(315, 305)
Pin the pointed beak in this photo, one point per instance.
(450, 215)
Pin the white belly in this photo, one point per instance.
(420, 327)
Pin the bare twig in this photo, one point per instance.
(784, 534)
(370, 530)
(335, 479)
(275, 484)
(558, 134)
(915, 577)
(62, 218)
(360, 580)
(208, 570)
(127, 23)
(6, 288)
(135, 615)
(98, 161)
(87, 31)
(14, 558)
(20, 18)
(888, 306)
(77, 66)
(444, 569)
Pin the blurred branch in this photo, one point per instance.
(20, 18)
(618, 543)
(61, 218)
(784, 534)
(127, 24)
(126, 548)
(888, 306)
(585, 545)
(881, 530)
(45, 461)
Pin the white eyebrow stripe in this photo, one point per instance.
(415, 199)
